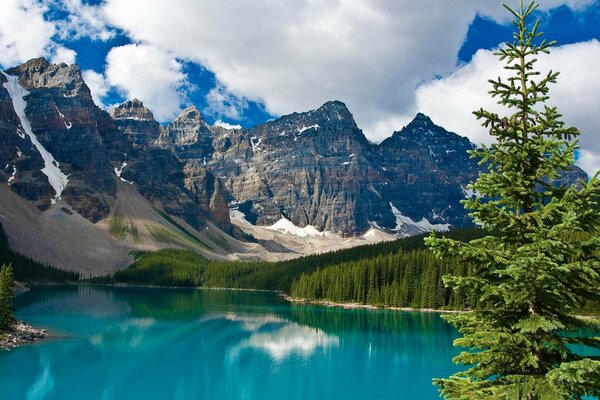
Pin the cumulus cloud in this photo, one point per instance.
(62, 54)
(150, 74)
(226, 125)
(98, 86)
(369, 54)
(222, 103)
(82, 20)
(24, 33)
(295, 56)
(450, 101)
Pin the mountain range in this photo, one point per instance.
(81, 187)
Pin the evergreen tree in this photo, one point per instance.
(7, 311)
(532, 276)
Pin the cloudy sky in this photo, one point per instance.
(244, 62)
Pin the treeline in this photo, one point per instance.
(166, 267)
(402, 279)
(27, 270)
(398, 273)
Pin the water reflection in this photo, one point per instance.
(123, 343)
(285, 340)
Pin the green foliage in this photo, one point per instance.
(120, 228)
(184, 232)
(402, 279)
(29, 271)
(7, 298)
(165, 267)
(543, 264)
(398, 273)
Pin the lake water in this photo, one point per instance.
(146, 343)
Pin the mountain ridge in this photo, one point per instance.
(311, 169)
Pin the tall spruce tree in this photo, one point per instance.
(7, 312)
(542, 263)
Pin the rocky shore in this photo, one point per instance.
(21, 334)
(328, 303)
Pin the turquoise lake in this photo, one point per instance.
(147, 343)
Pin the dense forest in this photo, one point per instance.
(397, 273)
(27, 270)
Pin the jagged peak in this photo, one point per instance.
(334, 108)
(192, 112)
(420, 117)
(135, 102)
(423, 130)
(39, 72)
(132, 109)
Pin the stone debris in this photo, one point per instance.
(21, 334)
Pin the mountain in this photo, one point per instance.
(88, 186)
(81, 188)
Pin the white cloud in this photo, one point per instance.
(150, 74)
(63, 55)
(589, 161)
(450, 101)
(98, 86)
(24, 34)
(82, 21)
(369, 54)
(222, 103)
(294, 56)
(226, 125)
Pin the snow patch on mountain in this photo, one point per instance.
(409, 227)
(119, 171)
(305, 128)
(67, 124)
(470, 193)
(51, 169)
(12, 177)
(284, 225)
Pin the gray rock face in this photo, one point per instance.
(189, 135)
(317, 168)
(313, 168)
(80, 137)
(21, 163)
(91, 148)
(137, 122)
(428, 169)
(171, 169)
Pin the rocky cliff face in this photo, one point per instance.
(86, 150)
(81, 139)
(317, 168)
(188, 135)
(170, 163)
(137, 122)
(428, 169)
(312, 168)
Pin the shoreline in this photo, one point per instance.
(328, 303)
(22, 334)
(139, 285)
(286, 297)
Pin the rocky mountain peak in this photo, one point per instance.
(39, 72)
(137, 122)
(132, 109)
(420, 122)
(191, 113)
(189, 134)
(335, 110)
(422, 130)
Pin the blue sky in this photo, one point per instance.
(246, 62)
